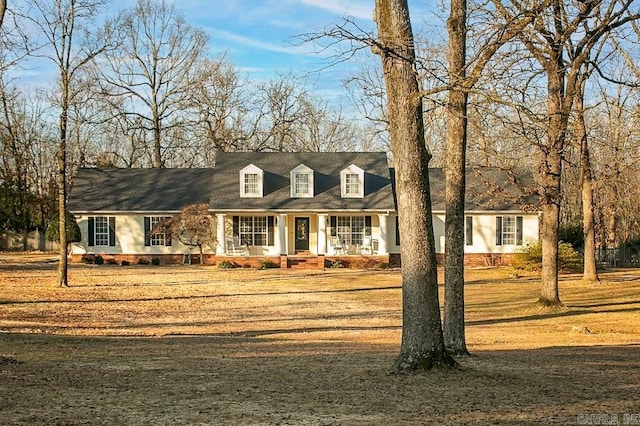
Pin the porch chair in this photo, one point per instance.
(235, 248)
(367, 245)
(338, 246)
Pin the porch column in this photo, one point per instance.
(322, 233)
(222, 245)
(282, 234)
(382, 240)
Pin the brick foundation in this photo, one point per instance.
(287, 262)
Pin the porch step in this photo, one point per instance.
(305, 262)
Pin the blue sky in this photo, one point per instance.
(258, 36)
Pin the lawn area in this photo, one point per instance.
(184, 345)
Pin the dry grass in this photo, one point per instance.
(302, 347)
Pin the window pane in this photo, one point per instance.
(352, 183)
(351, 229)
(254, 231)
(301, 183)
(157, 239)
(102, 231)
(508, 230)
(251, 183)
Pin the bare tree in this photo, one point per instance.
(561, 40)
(590, 272)
(422, 340)
(192, 227)
(223, 106)
(151, 74)
(70, 45)
(462, 78)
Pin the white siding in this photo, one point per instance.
(484, 232)
(129, 237)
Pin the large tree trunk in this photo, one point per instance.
(157, 140)
(62, 186)
(455, 161)
(422, 340)
(549, 180)
(590, 272)
(550, 175)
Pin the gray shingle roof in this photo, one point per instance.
(488, 189)
(132, 190)
(277, 196)
(169, 190)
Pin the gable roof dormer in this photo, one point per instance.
(352, 182)
(251, 182)
(301, 179)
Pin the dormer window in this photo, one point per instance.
(302, 182)
(251, 182)
(352, 182)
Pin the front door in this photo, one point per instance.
(302, 234)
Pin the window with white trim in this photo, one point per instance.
(251, 183)
(352, 182)
(301, 182)
(351, 229)
(101, 231)
(159, 238)
(254, 230)
(101, 234)
(509, 230)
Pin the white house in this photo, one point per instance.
(293, 209)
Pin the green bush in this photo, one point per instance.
(336, 264)
(268, 264)
(529, 258)
(573, 234)
(73, 230)
(225, 264)
(98, 260)
(155, 261)
(125, 263)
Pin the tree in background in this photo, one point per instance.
(73, 234)
(151, 75)
(70, 44)
(193, 227)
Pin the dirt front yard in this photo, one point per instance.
(148, 345)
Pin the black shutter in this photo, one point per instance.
(112, 231)
(91, 232)
(367, 225)
(469, 230)
(519, 230)
(397, 231)
(147, 231)
(236, 226)
(270, 233)
(499, 230)
(334, 226)
(167, 238)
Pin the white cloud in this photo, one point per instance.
(357, 9)
(251, 42)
